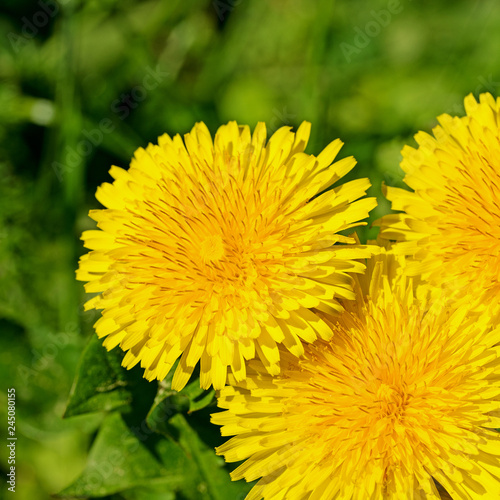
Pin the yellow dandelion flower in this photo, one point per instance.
(401, 403)
(450, 224)
(216, 251)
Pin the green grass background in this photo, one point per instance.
(64, 83)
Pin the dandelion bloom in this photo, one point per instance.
(217, 251)
(399, 404)
(450, 224)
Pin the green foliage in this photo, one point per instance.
(100, 383)
(154, 445)
(121, 460)
(191, 398)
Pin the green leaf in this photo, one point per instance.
(149, 493)
(182, 417)
(169, 402)
(211, 468)
(198, 397)
(119, 461)
(145, 465)
(198, 444)
(102, 384)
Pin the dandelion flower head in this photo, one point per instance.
(216, 251)
(450, 222)
(401, 403)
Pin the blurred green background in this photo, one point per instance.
(83, 84)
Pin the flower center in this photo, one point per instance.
(212, 248)
(390, 400)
